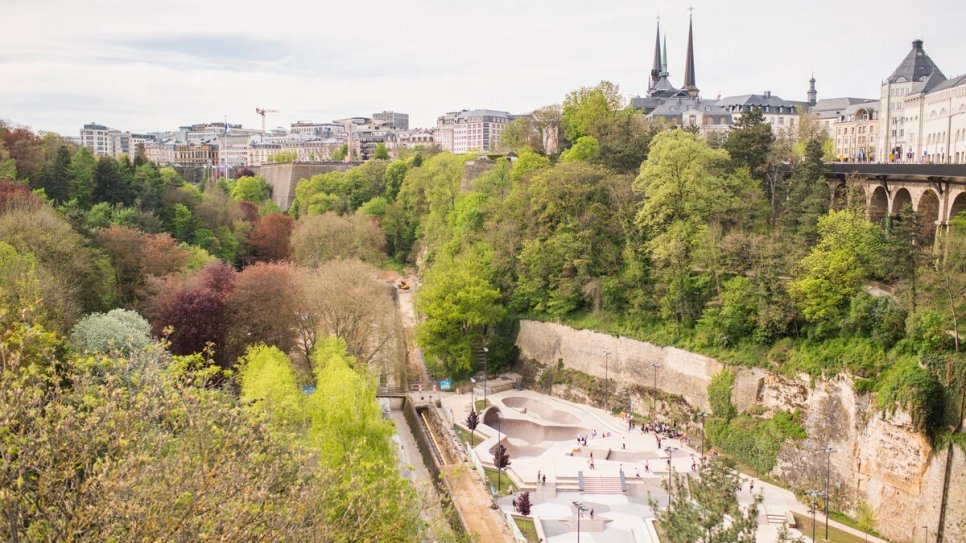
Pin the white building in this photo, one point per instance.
(907, 128)
(470, 130)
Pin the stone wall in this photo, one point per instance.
(879, 460)
(283, 177)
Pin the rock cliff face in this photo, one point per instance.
(878, 459)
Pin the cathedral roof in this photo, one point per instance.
(917, 66)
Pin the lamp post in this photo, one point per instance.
(500, 450)
(580, 509)
(669, 450)
(656, 366)
(702, 415)
(828, 468)
(606, 379)
(814, 494)
(485, 375)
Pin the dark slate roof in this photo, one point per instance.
(949, 83)
(930, 83)
(755, 100)
(662, 89)
(915, 67)
(646, 103)
(677, 106)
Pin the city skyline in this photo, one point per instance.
(65, 65)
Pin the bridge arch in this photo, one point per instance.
(840, 196)
(957, 206)
(928, 210)
(901, 199)
(878, 206)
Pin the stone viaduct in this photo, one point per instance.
(936, 191)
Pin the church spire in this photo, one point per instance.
(664, 72)
(689, 82)
(656, 68)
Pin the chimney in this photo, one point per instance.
(917, 45)
(768, 94)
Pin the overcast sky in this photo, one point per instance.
(150, 66)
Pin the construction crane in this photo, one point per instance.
(262, 112)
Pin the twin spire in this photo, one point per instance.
(659, 73)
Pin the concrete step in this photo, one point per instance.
(603, 485)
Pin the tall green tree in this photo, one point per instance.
(835, 269)
(109, 183)
(584, 106)
(54, 177)
(459, 303)
(749, 142)
(808, 198)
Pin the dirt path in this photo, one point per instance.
(473, 501)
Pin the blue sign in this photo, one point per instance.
(446, 384)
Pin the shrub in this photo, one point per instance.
(914, 388)
(719, 395)
(119, 329)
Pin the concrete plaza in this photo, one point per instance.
(541, 434)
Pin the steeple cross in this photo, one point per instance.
(691, 9)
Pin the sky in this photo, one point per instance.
(152, 66)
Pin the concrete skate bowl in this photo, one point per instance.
(540, 409)
(528, 431)
(520, 451)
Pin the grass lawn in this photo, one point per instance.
(506, 484)
(481, 405)
(473, 439)
(527, 528)
(804, 525)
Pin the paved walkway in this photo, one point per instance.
(412, 468)
(542, 440)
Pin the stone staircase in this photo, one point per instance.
(601, 485)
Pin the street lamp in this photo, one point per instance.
(828, 468)
(580, 509)
(669, 450)
(485, 374)
(499, 450)
(814, 494)
(606, 379)
(656, 366)
(702, 415)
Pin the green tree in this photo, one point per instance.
(584, 106)
(835, 269)
(459, 302)
(109, 183)
(54, 177)
(82, 166)
(706, 509)
(808, 199)
(341, 153)
(585, 149)
(251, 189)
(381, 152)
(749, 142)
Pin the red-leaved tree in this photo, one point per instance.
(269, 240)
(263, 307)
